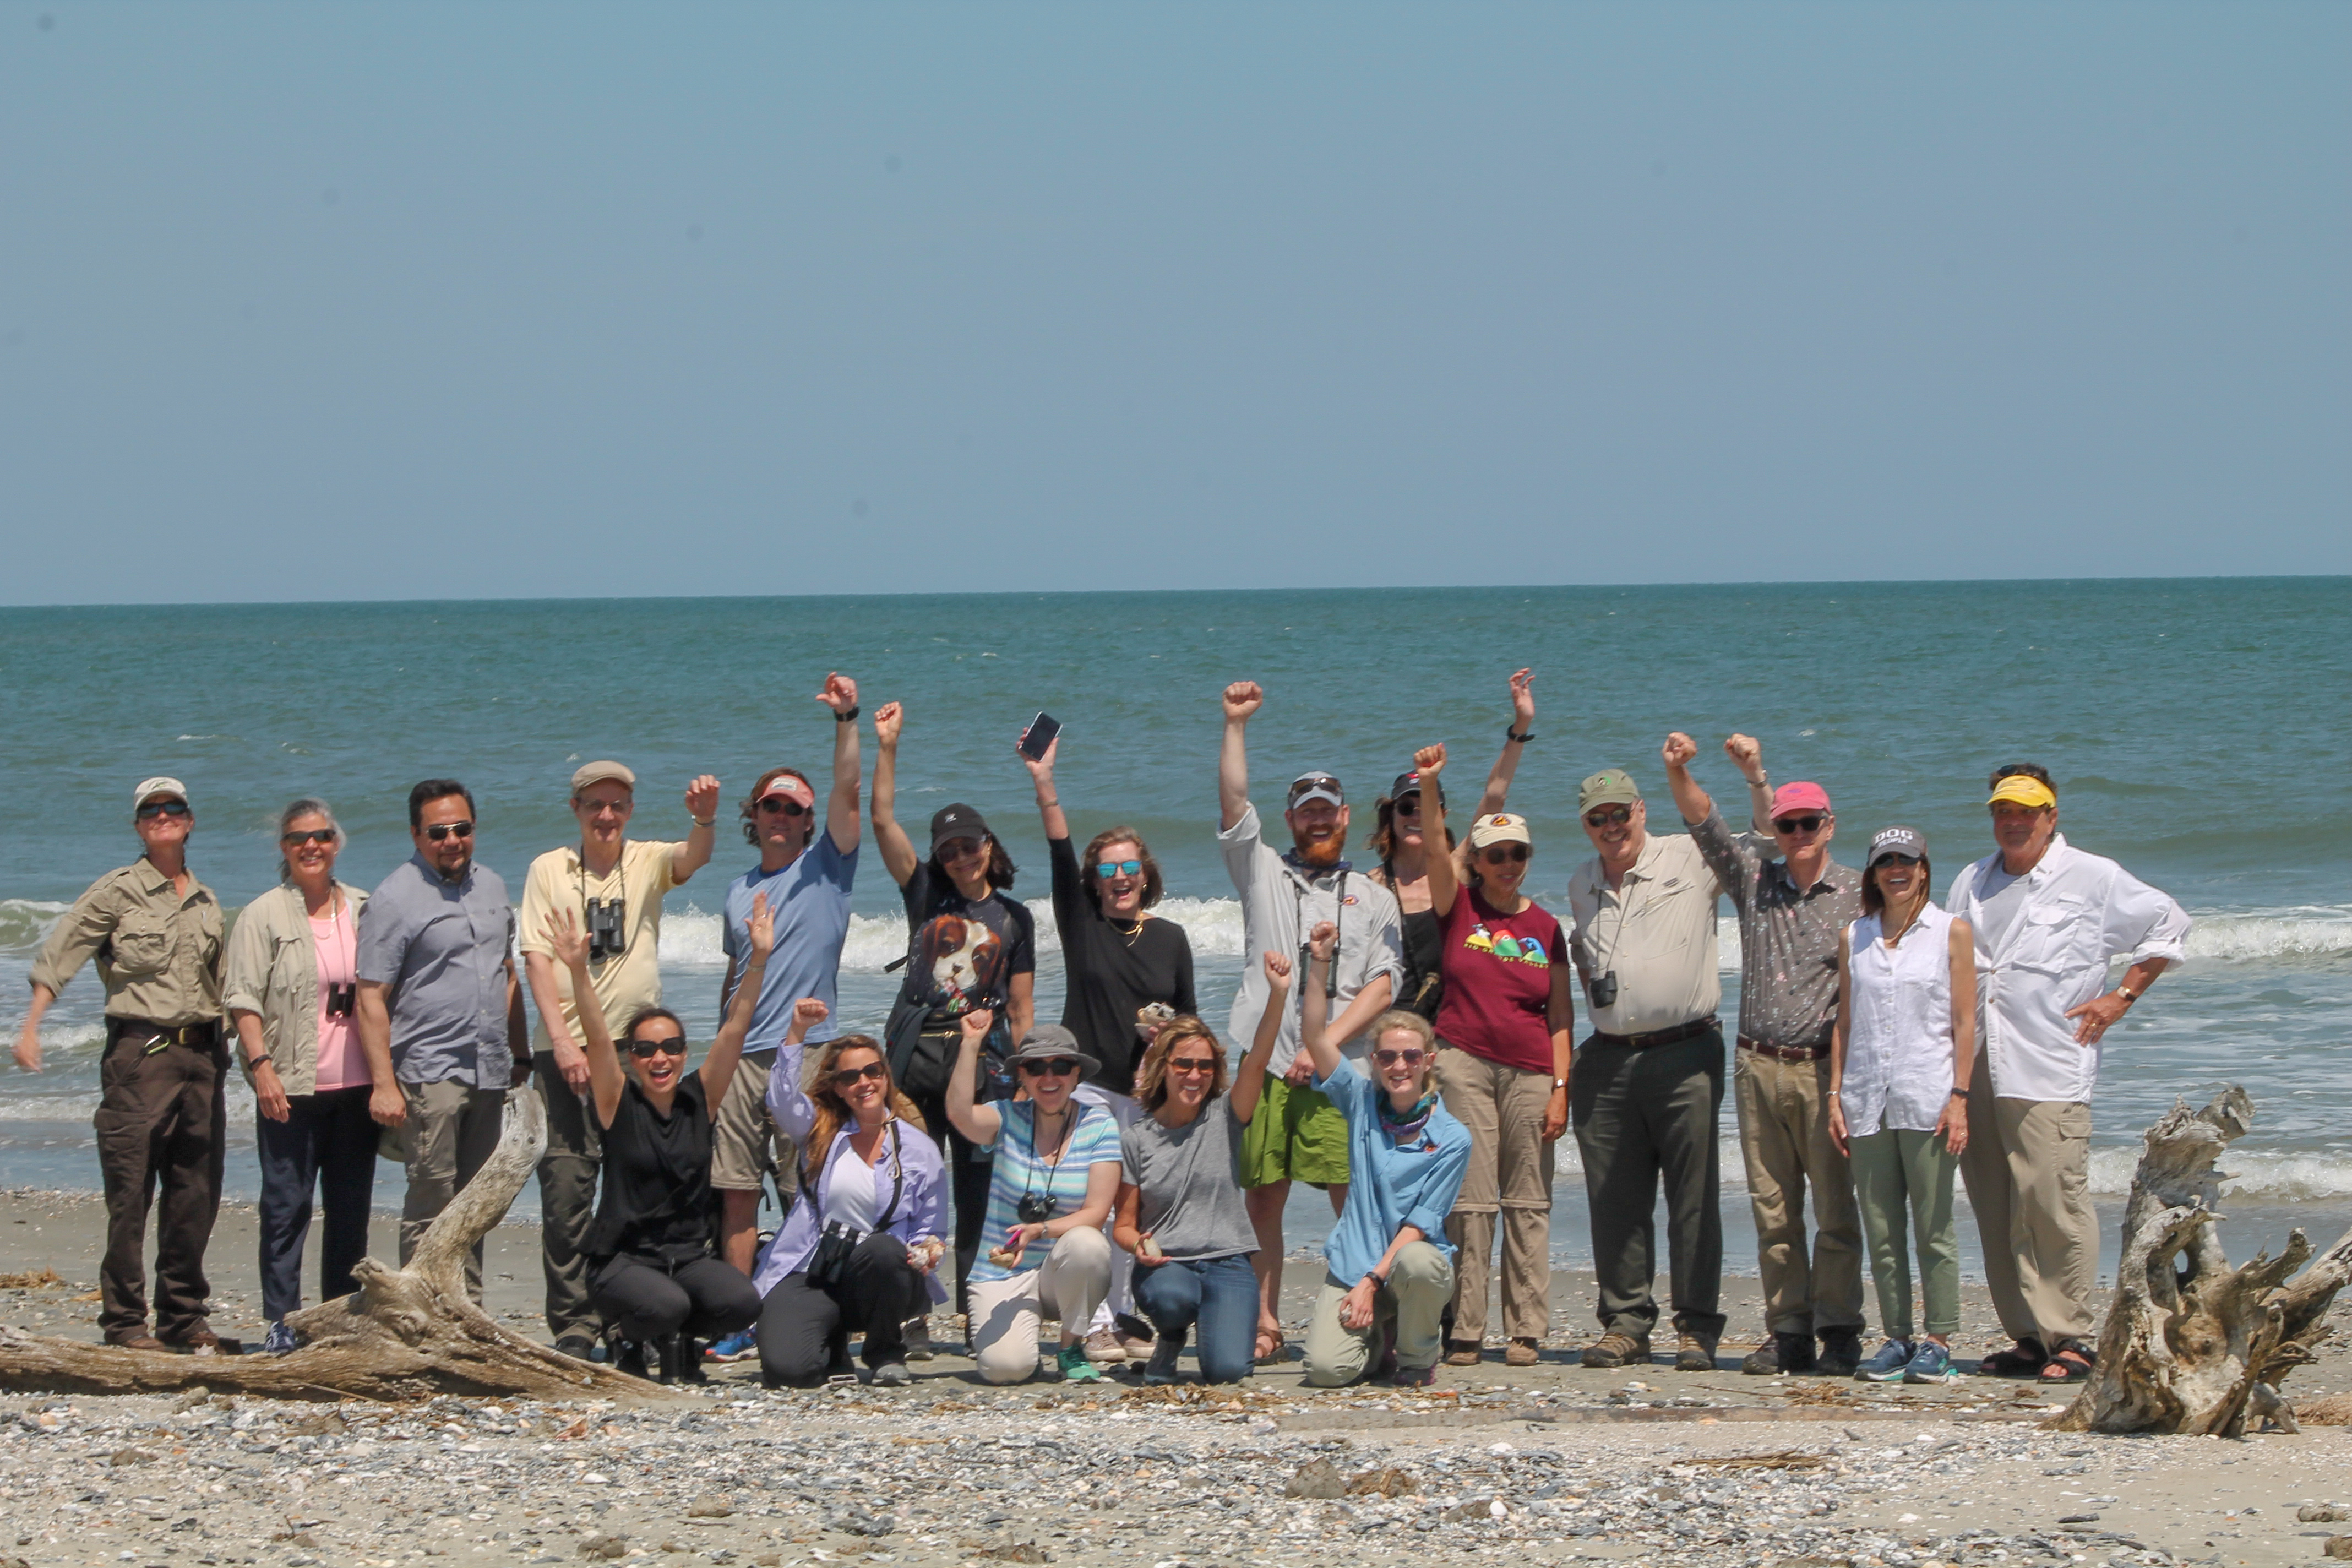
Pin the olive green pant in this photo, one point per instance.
(1408, 1310)
(1896, 1170)
(567, 1201)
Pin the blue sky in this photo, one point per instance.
(376, 301)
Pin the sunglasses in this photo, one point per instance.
(151, 809)
(846, 1078)
(309, 835)
(1110, 868)
(1400, 1058)
(673, 1046)
(1609, 816)
(1496, 853)
(1060, 1067)
(1194, 1064)
(1809, 823)
(1892, 859)
(955, 850)
(1320, 781)
(441, 830)
(790, 808)
(1408, 805)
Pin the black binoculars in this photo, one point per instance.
(1602, 989)
(341, 998)
(608, 934)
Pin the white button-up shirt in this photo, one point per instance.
(2081, 912)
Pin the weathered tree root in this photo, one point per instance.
(2191, 1344)
(406, 1333)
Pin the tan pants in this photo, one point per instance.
(1784, 1138)
(2028, 1171)
(451, 1132)
(1407, 1313)
(1510, 1172)
(1006, 1313)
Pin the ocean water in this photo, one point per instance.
(2198, 729)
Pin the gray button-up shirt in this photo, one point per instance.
(441, 948)
(1787, 935)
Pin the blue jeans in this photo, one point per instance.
(1219, 1295)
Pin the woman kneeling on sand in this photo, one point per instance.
(652, 1272)
(1390, 1269)
(1180, 1202)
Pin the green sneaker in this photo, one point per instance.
(1075, 1367)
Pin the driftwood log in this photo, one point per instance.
(2191, 1344)
(406, 1333)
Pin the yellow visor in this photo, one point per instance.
(2024, 790)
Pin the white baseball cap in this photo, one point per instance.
(150, 788)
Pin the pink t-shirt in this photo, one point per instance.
(335, 940)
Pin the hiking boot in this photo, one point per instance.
(1521, 1351)
(1778, 1354)
(1613, 1348)
(629, 1358)
(202, 1340)
(135, 1340)
(1694, 1353)
(1840, 1352)
(1463, 1352)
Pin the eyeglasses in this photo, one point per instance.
(1194, 1064)
(1401, 1059)
(1496, 854)
(441, 830)
(601, 807)
(673, 1046)
(1609, 816)
(309, 835)
(1060, 1067)
(154, 808)
(955, 850)
(1109, 868)
(776, 802)
(1810, 823)
(846, 1078)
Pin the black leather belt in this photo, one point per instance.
(1689, 1031)
(171, 1034)
(1784, 1053)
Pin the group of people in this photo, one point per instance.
(1408, 1032)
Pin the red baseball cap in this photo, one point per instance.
(791, 787)
(1802, 795)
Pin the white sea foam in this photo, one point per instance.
(2276, 1177)
(691, 937)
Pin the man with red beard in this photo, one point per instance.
(1297, 1134)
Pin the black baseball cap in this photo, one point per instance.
(1410, 783)
(956, 821)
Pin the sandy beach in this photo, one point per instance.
(1553, 1462)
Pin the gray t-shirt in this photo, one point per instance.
(2000, 898)
(1190, 1181)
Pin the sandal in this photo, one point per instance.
(2026, 1358)
(2069, 1365)
(1272, 1349)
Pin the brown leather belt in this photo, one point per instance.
(173, 1034)
(1784, 1053)
(1689, 1031)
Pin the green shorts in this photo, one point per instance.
(1296, 1135)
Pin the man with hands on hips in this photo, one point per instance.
(613, 886)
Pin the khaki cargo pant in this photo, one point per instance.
(2028, 1171)
(1510, 1175)
(452, 1129)
(1784, 1140)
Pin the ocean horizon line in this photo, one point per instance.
(1713, 585)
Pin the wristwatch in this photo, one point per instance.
(1559, 1083)
(849, 717)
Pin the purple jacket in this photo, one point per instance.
(922, 1202)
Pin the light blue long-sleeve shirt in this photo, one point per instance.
(1391, 1185)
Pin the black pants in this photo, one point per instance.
(1642, 1118)
(567, 1201)
(970, 1169)
(327, 1140)
(162, 1122)
(706, 1297)
(805, 1329)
